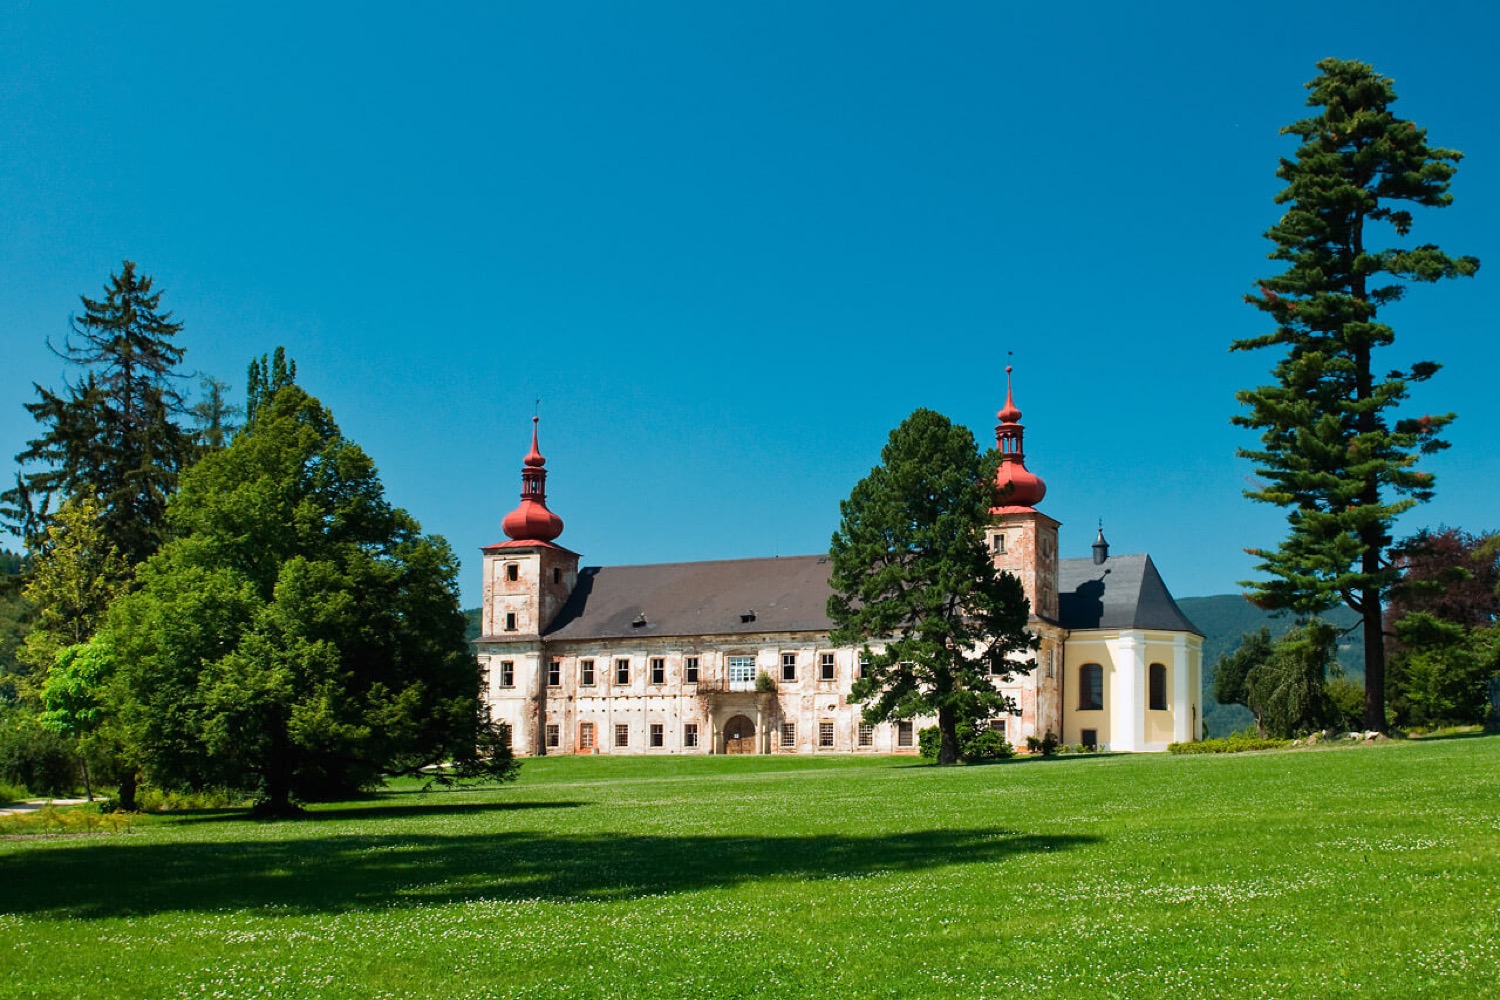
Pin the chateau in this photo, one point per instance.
(733, 656)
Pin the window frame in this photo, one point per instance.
(905, 733)
(622, 735)
(586, 676)
(787, 735)
(588, 736)
(690, 670)
(1156, 688)
(690, 735)
(828, 668)
(622, 670)
(826, 733)
(866, 735)
(656, 735)
(553, 737)
(554, 673)
(658, 670)
(789, 668)
(1086, 674)
(507, 673)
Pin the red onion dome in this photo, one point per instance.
(532, 521)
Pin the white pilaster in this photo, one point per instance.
(1182, 698)
(1128, 694)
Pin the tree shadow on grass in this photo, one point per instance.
(316, 814)
(332, 874)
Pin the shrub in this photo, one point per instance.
(158, 800)
(986, 744)
(35, 758)
(764, 682)
(12, 793)
(1238, 743)
(929, 742)
(1046, 746)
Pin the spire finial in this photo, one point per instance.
(1015, 486)
(532, 521)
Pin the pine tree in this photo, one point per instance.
(914, 584)
(113, 435)
(1332, 450)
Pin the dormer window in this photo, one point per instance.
(747, 617)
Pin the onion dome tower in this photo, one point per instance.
(1022, 540)
(1015, 485)
(532, 521)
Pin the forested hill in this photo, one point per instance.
(1222, 619)
(1225, 618)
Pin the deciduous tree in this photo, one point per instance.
(1333, 452)
(298, 636)
(914, 584)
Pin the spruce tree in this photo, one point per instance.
(913, 583)
(113, 435)
(1333, 452)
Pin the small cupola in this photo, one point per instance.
(1101, 548)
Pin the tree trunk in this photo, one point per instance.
(1374, 633)
(948, 731)
(127, 790)
(88, 787)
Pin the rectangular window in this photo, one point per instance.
(788, 734)
(690, 675)
(1089, 738)
(658, 670)
(554, 673)
(742, 670)
(622, 735)
(998, 725)
(586, 673)
(510, 621)
(557, 574)
(789, 667)
(507, 674)
(903, 734)
(866, 734)
(512, 572)
(999, 544)
(690, 734)
(658, 735)
(1090, 688)
(586, 736)
(1158, 684)
(622, 671)
(825, 667)
(825, 734)
(864, 667)
(554, 735)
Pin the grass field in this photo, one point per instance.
(1373, 870)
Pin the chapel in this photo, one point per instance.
(733, 656)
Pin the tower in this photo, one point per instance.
(1022, 540)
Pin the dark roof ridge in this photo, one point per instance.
(707, 562)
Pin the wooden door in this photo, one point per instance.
(739, 735)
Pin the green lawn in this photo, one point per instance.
(1373, 870)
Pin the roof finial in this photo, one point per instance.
(1101, 547)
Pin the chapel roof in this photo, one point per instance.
(790, 594)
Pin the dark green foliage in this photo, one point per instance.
(41, 761)
(1287, 690)
(1332, 450)
(16, 615)
(976, 741)
(1046, 745)
(299, 637)
(914, 584)
(266, 378)
(112, 435)
(213, 415)
(1233, 669)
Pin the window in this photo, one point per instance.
(998, 725)
(825, 734)
(1000, 545)
(622, 671)
(586, 673)
(903, 734)
(554, 735)
(512, 572)
(690, 674)
(658, 735)
(825, 667)
(789, 666)
(554, 673)
(510, 621)
(507, 673)
(658, 670)
(864, 667)
(586, 736)
(1089, 738)
(742, 670)
(557, 574)
(1090, 687)
(788, 734)
(690, 734)
(622, 734)
(1158, 687)
(866, 734)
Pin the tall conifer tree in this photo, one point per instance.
(1332, 449)
(113, 435)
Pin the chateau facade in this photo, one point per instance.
(733, 656)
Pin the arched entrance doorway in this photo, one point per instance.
(739, 735)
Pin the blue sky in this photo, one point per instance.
(730, 246)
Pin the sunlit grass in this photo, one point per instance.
(1315, 873)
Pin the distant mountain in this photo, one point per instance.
(1227, 617)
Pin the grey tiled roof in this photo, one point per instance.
(790, 594)
(1122, 592)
